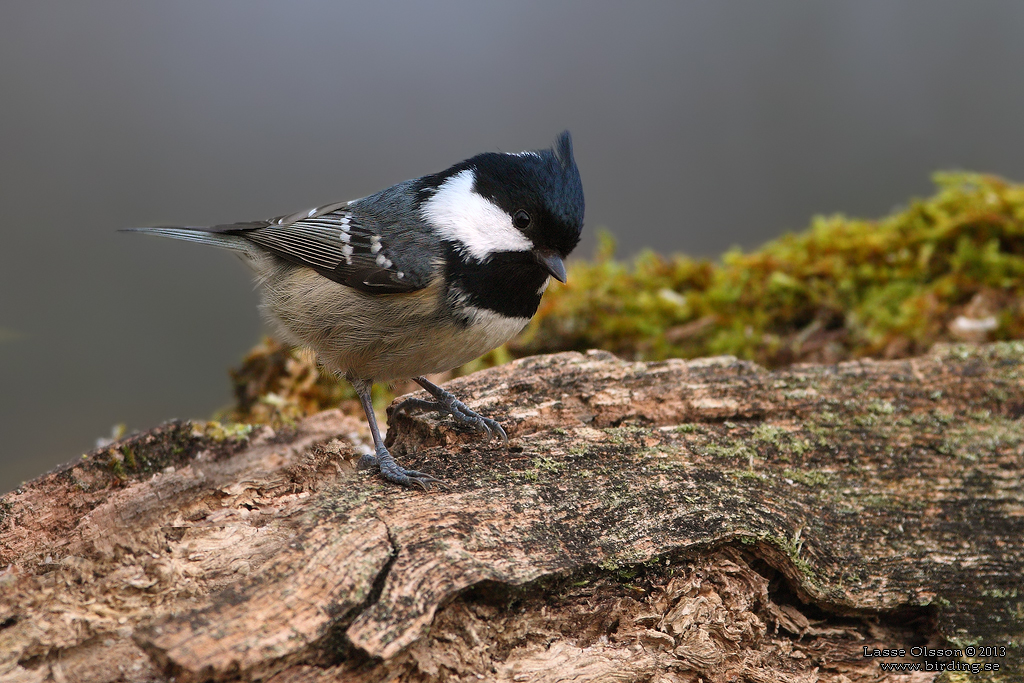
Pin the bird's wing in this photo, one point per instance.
(336, 242)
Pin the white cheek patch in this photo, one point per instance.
(471, 220)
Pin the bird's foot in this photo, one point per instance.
(392, 471)
(446, 403)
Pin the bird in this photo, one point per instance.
(416, 279)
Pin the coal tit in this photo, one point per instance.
(416, 279)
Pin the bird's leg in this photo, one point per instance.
(445, 403)
(382, 460)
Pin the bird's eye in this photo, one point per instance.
(521, 219)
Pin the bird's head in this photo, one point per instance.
(499, 203)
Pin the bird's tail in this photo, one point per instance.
(200, 235)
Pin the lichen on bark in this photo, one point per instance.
(668, 520)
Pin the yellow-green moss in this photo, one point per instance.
(843, 288)
(222, 431)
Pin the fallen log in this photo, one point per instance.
(669, 521)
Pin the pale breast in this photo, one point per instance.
(378, 337)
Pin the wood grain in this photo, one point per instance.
(810, 509)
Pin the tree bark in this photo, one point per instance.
(670, 521)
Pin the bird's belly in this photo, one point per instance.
(379, 338)
(429, 350)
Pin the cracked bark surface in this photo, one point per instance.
(672, 521)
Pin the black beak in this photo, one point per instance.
(553, 264)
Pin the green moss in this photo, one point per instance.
(768, 434)
(116, 465)
(731, 449)
(790, 546)
(785, 443)
(807, 478)
(687, 428)
(846, 287)
(842, 288)
(997, 394)
(881, 407)
(621, 436)
(970, 441)
(749, 475)
(221, 431)
(878, 501)
(547, 464)
(129, 457)
(626, 566)
(823, 436)
(867, 420)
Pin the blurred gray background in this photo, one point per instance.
(698, 125)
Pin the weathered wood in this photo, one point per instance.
(649, 521)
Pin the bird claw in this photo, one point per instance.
(416, 405)
(447, 404)
(392, 471)
(482, 424)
